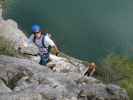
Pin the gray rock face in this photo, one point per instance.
(10, 32)
(66, 65)
(31, 81)
(4, 88)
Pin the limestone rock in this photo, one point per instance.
(4, 88)
(66, 65)
(10, 32)
(31, 81)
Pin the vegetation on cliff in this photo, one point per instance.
(6, 48)
(3, 3)
(117, 69)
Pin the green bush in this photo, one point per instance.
(119, 70)
(2, 2)
(3, 5)
(128, 85)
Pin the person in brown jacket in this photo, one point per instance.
(91, 69)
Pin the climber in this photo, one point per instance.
(91, 69)
(43, 42)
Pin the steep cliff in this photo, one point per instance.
(22, 78)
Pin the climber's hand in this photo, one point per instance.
(55, 51)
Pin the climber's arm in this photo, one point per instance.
(50, 42)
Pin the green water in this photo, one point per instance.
(87, 29)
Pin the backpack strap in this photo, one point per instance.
(34, 39)
(43, 41)
(49, 47)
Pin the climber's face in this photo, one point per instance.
(38, 34)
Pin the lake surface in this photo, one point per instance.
(87, 29)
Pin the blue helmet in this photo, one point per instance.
(36, 28)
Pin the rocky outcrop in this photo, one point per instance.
(10, 32)
(67, 64)
(4, 88)
(31, 81)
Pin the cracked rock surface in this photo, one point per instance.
(23, 79)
